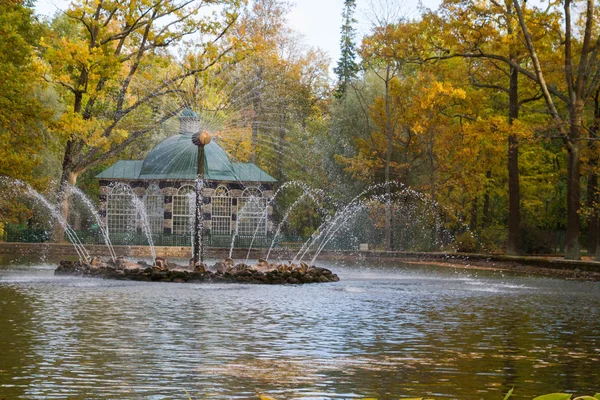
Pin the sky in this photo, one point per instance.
(318, 21)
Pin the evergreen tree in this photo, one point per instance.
(346, 67)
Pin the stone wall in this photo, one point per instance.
(67, 250)
(168, 189)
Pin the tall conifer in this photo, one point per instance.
(346, 67)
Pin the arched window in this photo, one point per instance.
(252, 215)
(183, 210)
(221, 212)
(154, 202)
(120, 211)
(252, 192)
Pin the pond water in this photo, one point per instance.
(386, 330)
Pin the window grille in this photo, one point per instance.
(121, 215)
(252, 215)
(154, 202)
(183, 210)
(221, 212)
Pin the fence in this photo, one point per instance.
(19, 233)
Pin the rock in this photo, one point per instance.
(240, 268)
(96, 262)
(221, 267)
(303, 267)
(229, 262)
(200, 268)
(284, 268)
(128, 265)
(120, 260)
(261, 273)
(161, 263)
(243, 273)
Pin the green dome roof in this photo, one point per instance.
(176, 158)
(188, 113)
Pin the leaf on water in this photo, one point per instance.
(554, 396)
(585, 398)
(264, 396)
(509, 394)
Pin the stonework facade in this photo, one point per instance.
(228, 207)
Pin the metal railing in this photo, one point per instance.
(19, 233)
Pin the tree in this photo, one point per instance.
(347, 68)
(113, 63)
(582, 76)
(383, 53)
(465, 30)
(21, 113)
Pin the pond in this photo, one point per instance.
(386, 330)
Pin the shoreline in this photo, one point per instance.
(533, 265)
(567, 274)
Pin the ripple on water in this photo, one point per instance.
(387, 333)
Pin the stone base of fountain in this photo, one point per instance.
(222, 272)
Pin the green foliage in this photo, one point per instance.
(510, 392)
(466, 243)
(22, 115)
(493, 238)
(554, 396)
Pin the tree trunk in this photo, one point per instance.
(572, 249)
(432, 193)
(388, 160)
(280, 146)
(593, 198)
(514, 197)
(68, 178)
(486, 220)
(597, 252)
(256, 107)
(474, 213)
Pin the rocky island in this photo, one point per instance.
(225, 271)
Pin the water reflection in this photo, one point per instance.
(384, 332)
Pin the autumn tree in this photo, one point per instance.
(22, 114)
(485, 34)
(262, 28)
(20, 109)
(114, 65)
(580, 43)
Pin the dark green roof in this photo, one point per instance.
(188, 113)
(176, 159)
(123, 169)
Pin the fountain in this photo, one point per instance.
(173, 159)
(263, 271)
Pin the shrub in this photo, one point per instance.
(466, 243)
